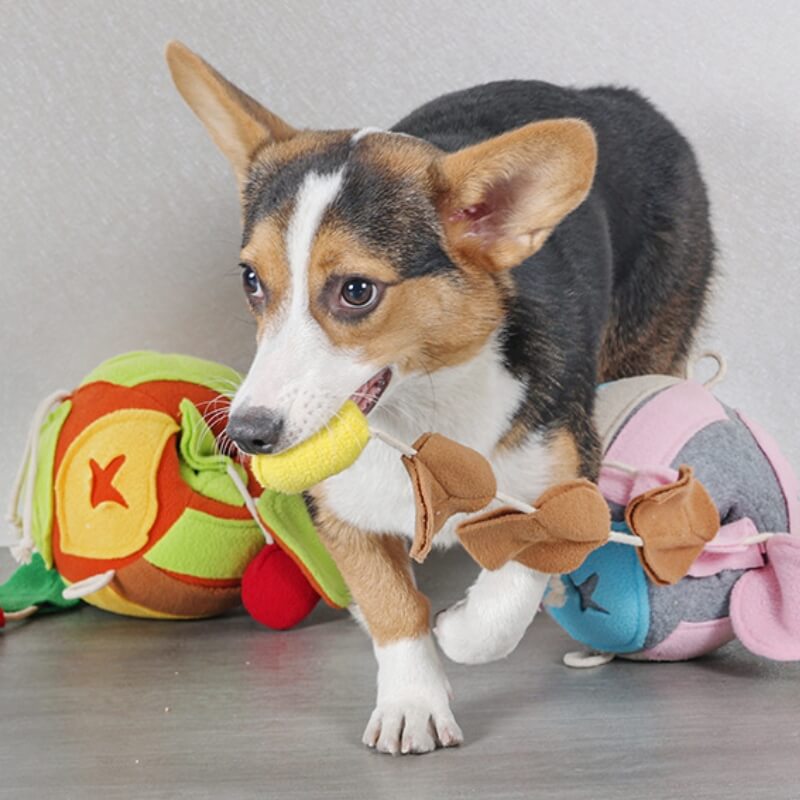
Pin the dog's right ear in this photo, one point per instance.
(238, 124)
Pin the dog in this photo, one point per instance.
(474, 270)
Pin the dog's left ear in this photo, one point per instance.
(502, 198)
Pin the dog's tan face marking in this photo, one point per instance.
(266, 254)
(418, 325)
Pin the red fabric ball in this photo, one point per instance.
(275, 592)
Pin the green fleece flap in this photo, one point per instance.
(202, 466)
(42, 511)
(34, 585)
(287, 515)
(207, 547)
(142, 366)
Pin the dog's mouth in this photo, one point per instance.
(367, 395)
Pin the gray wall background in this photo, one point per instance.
(119, 220)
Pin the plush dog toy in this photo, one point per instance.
(684, 544)
(126, 502)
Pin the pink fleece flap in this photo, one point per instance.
(690, 640)
(726, 551)
(621, 487)
(657, 432)
(765, 603)
(783, 470)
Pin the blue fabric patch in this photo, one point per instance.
(607, 606)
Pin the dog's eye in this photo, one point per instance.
(251, 283)
(359, 293)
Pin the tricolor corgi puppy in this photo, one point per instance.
(474, 270)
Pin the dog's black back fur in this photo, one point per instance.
(619, 287)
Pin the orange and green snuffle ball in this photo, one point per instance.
(130, 485)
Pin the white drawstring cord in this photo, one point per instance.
(249, 502)
(21, 614)
(759, 538)
(402, 447)
(25, 480)
(620, 467)
(90, 585)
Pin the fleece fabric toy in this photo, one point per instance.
(126, 502)
(684, 544)
(743, 583)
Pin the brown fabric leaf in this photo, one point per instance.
(675, 523)
(572, 520)
(448, 479)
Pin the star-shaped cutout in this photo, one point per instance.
(103, 489)
(585, 591)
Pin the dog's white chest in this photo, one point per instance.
(472, 404)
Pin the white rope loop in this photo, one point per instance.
(24, 483)
(587, 659)
(717, 377)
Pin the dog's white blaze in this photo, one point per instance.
(413, 699)
(358, 135)
(316, 194)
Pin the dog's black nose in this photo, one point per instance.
(255, 430)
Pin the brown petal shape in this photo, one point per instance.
(572, 520)
(448, 479)
(675, 523)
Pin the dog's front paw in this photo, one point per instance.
(413, 713)
(491, 621)
(466, 635)
(410, 727)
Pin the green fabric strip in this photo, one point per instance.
(287, 515)
(42, 512)
(142, 366)
(202, 466)
(207, 547)
(34, 585)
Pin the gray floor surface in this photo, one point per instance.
(94, 705)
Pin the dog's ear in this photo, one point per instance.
(238, 124)
(501, 199)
